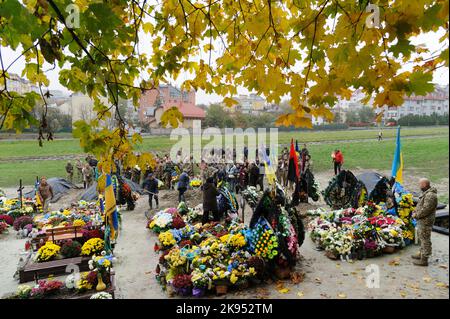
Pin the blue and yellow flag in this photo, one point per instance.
(397, 163)
(111, 215)
(269, 172)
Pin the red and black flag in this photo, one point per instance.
(293, 171)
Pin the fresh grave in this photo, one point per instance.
(97, 283)
(196, 259)
(367, 231)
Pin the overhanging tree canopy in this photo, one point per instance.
(314, 52)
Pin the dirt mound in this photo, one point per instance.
(193, 197)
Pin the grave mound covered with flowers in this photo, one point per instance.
(364, 232)
(197, 259)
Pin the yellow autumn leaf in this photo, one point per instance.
(229, 102)
(283, 290)
(426, 279)
(172, 116)
(441, 285)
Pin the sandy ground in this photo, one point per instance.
(323, 278)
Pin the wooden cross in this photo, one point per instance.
(20, 193)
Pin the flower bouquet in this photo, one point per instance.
(372, 248)
(200, 282)
(264, 242)
(174, 258)
(182, 283)
(178, 222)
(221, 279)
(161, 222)
(71, 248)
(21, 222)
(196, 183)
(3, 227)
(234, 241)
(101, 295)
(167, 239)
(251, 196)
(101, 265)
(47, 252)
(93, 246)
(46, 288)
(7, 219)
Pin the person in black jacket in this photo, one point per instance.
(183, 184)
(151, 186)
(210, 193)
(253, 174)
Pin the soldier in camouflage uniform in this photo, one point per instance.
(168, 169)
(425, 215)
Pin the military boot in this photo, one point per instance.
(416, 256)
(421, 262)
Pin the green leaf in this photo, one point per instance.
(420, 83)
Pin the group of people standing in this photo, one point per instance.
(85, 171)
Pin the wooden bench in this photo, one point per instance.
(63, 233)
(35, 271)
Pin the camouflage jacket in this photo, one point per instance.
(209, 171)
(426, 206)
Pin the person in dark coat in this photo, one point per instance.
(253, 174)
(183, 184)
(210, 194)
(151, 186)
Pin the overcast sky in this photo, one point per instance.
(430, 40)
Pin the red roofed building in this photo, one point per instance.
(153, 103)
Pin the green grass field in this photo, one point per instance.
(426, 156)
(29, 148)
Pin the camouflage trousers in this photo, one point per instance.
(424, 234)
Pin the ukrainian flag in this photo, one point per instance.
(397, 164)
(270, 174)
(111, 215)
